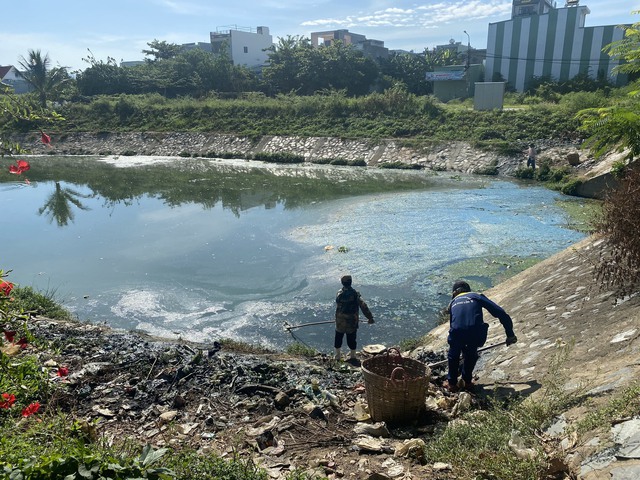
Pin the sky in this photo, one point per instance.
(70, 30)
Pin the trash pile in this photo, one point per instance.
(283, 412)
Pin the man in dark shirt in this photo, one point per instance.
(468, 332)
(348, 305)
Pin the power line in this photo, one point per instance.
(553, 60)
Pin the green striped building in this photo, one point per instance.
(553, 44)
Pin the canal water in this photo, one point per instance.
(205, 249)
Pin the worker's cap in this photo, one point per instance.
(346, 280)
(461, 286)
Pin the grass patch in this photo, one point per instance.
(43, 304)
(485, 272)
(504, 440)
(581, 215)
(242, 347)
(300, 349)
(626, 404)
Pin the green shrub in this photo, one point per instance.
(491, 169)
(401, 165)
(339, 161)
(573, 102)
(524, 173)
(279, 157)
(544, 171)
(619, 169)
(571, 187)
(357, 163)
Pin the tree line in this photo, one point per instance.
(294, 66)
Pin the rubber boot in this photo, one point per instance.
(352, 355)
(338, 356)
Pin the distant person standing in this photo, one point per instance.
(531, 156)
(468, 332)
(348, 305)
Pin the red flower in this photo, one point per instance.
(46, 139)
(21, 166)
(30, 409)
(7, 400)
(6, 287)
(11, 335)
(62, 371)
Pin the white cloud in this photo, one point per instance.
(423, 16)
(186, 8)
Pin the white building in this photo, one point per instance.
(9, 76)
(245, 47)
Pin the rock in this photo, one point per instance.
(282, 400)
(378, 476)
(517, 445)
(105, 412)
(167, 417)
(441, 466)
(179, 401)
(374, 429)
(187, 428)
(573, 158)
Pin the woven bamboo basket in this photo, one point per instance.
(395, 387)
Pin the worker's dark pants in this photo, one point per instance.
(351, 340)
(465, 342)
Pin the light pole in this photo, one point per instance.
(466, 69)
(468, 49)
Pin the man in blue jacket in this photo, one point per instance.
(468, 332)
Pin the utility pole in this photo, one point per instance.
(468, 50)
(466, 68)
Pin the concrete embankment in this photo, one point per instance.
(450, 156)
(559, 308)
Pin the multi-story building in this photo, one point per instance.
(369, 47)
(541, 40)
(244, 46)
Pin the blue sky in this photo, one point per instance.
(121, 29)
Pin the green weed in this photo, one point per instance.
(300, 349)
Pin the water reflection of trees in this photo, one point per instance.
(236, 187)
(59, 205)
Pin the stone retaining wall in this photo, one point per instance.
(452, 156)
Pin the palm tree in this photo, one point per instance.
(44, 81)
(58, 205)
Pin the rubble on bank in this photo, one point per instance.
(282, 411)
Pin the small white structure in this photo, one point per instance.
(489, 96)
(244, 46)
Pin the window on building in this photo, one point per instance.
(246, 49)
(529, 10)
